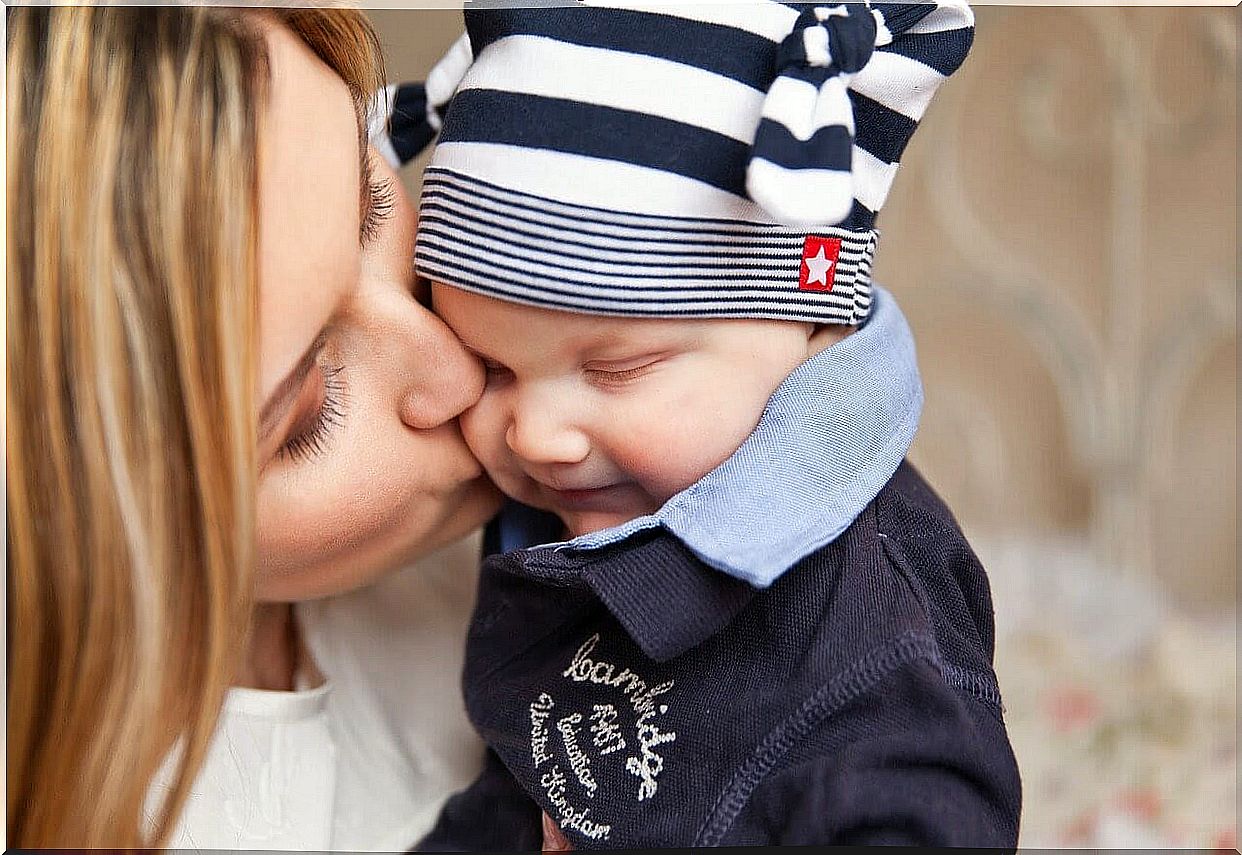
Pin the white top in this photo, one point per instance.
(366, 760)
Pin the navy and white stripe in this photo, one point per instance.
(799, 167)
(670, 160)
(405, 118)
(929, 42)
(529, 249)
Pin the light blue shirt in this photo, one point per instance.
(831, 436)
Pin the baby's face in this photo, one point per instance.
(601, 419)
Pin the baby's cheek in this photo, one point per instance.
(669, 450)
(483, 427)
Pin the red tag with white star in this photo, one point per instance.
(819, 263)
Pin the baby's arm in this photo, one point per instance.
(912, 761)
(492, 815)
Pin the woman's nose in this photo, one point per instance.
(445, 379)
(542, 431)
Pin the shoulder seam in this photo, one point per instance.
(851, 682)
(936, 525)
(981, 686)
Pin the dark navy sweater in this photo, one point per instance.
(645, 700)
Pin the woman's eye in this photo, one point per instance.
(309, 440)
(381, 196)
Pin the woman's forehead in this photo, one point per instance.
(308, 203)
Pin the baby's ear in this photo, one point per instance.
(824, 336)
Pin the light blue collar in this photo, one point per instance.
(832, 435)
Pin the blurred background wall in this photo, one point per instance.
(1063, 239)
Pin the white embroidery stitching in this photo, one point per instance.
(608, 736)
(606, 733)
(648, 764)
(579, 763)
(553, 783)
(539, 712)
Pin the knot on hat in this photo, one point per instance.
(404, 119)
(799, 169)
(837, 38)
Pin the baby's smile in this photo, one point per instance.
(605, 499)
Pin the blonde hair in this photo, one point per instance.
(131, 429)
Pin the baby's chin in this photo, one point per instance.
(592, 513)
(578, 524)
(583, 511)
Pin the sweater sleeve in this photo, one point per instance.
(491, 815)
(911, 761)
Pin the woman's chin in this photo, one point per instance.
(330, 563)
(479, 502)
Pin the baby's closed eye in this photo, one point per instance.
(495, 371)
(619, 372)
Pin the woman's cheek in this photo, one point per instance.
(328, 512)
(371, 500)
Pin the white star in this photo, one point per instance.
(818, 268)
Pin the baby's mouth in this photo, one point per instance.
(607, 497)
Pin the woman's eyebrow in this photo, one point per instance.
(277, 403)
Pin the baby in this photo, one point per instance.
(721, 609)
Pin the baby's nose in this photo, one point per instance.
(543, 434)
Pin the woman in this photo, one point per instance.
(224, 397)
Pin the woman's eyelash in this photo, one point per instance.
(310, 441)
(381, 196)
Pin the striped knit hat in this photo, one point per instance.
(646, 159)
